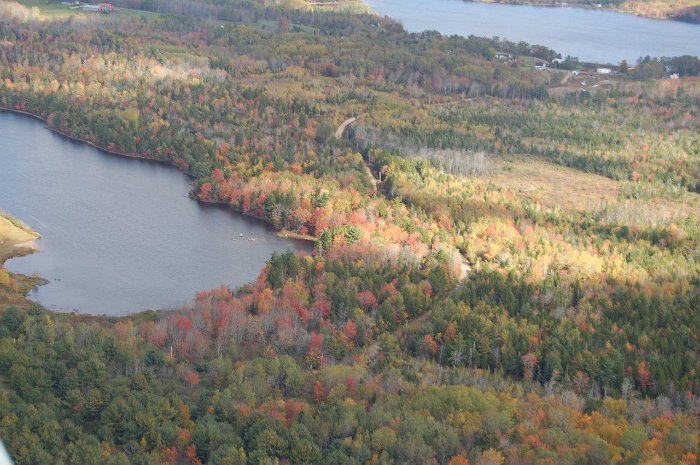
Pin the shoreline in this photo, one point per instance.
(18, 250)
(565, 5)
(288, 234)
(93, 144)
(27, 245)
(283, 233)
(582, 7)
(16, 238)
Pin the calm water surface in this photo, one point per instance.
(591, 35)
(119, 235)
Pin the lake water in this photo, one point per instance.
(119, 235)
(591, 35)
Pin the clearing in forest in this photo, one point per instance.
(569, 189)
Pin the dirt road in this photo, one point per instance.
(341, 129)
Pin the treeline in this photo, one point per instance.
(683, 66)
(689, 15)
(251, 12)
(613, 135)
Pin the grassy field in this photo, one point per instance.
(50, 10)
(55, 10)
(137, 14)
(569, 189)
(355, 6)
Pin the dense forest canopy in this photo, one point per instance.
(443, 318)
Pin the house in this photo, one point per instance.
(503, 56)
(99, 8)
(539, 64)
(604, 71)
(558, 61)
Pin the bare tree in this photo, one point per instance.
(458, 162)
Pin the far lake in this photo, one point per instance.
(589, 34)
(119, 235)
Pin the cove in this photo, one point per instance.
(589, 34)
(120, 235)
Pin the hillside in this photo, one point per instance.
(503, 274)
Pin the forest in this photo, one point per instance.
(444, 318)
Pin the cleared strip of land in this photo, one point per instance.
(569, 189)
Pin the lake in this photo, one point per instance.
(119, 235)
(589, 34)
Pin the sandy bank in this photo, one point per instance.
(16, 238)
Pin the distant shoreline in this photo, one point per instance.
(572, 5)
(580, 6)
